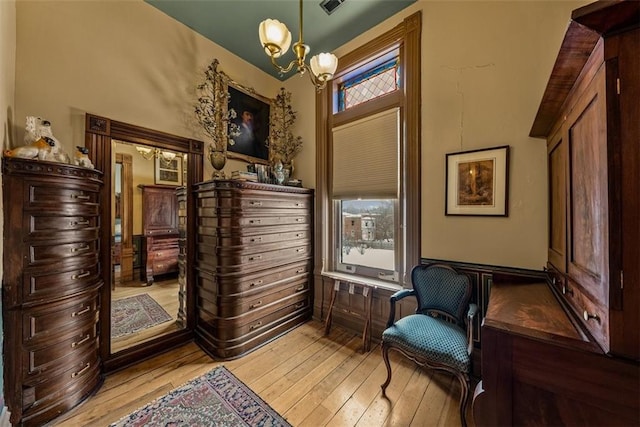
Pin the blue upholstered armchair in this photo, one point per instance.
(440, 334)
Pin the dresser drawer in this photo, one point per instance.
(39, 226)
(43, 283)
(165, 266)
(231, 306)
(59, 320)
(252, 323)
(56, 355)
(47, 194)
(82, 252)
(260, 221)
(79, 375)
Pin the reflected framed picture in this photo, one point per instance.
(252, 117)
(168, 172)
(477, 182)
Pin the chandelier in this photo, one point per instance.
(166, 157)
(275, 38)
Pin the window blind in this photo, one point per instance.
(365, 157)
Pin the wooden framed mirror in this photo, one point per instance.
(110, 145)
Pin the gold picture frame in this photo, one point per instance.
(477, 182)
(253, 114)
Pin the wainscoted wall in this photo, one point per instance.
(349, 309)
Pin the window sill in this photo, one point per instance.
(359, 280)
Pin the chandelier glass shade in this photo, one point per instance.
(148, 153)
(275, 38)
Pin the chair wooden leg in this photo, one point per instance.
(385, 356)
(464, 397)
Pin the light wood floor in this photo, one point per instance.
(310, 379)
(165, 292)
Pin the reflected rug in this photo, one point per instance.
(216, 398)
(133, 314)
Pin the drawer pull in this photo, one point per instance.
(566, 290)
(255, 326)
(81, 312)
(255, 258)
(255, 203)
(158, 254)
(300, 250)
(81, 371)
(300, 270)
(256, 239)
(586, 315)
(298, 205)
(299, 305)
(259, 282)
(83, 222)
(299, 235)
(81, 275)
(80, 196)
(258, 304)
(82, 341)
(300, 288)
(255, 221)
(81, 248)
(299, 219)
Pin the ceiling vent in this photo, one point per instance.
(330, 6)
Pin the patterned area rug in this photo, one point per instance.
(133, 314)
(217, 398)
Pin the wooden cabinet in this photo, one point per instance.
(160, 246)
(540, 368)
(51, 285)
(566, 351)
(592, 132)
(253, 262)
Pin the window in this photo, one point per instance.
(368, 160)
(369, 85)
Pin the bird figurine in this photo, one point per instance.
(38, 149)
(81, 157)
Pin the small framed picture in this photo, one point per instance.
(477, 182)
(252, 118)
(168, 172)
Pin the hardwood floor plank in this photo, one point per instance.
(310, 379)
(325, 388)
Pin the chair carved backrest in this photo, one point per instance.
(441, 290)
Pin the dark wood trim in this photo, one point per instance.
(99, 131)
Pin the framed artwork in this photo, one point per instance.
(477, 182)
(168, 173)
(252, 118)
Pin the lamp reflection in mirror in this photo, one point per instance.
(148, 153)
(275, 38)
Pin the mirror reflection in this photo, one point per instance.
(148, 242)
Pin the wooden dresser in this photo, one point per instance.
(160, 246)
(51, 286)
(254, 263)
(539, 367)
(182, 256)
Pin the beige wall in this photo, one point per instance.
(124, 60)
(485, 65)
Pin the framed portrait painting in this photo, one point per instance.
(168, 172)
(477, 182)
(252, 118)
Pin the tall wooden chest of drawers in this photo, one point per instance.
(51, 287)
(254, 262)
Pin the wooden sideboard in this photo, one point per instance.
(253, 264)
(51, 286)
(160, 245)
